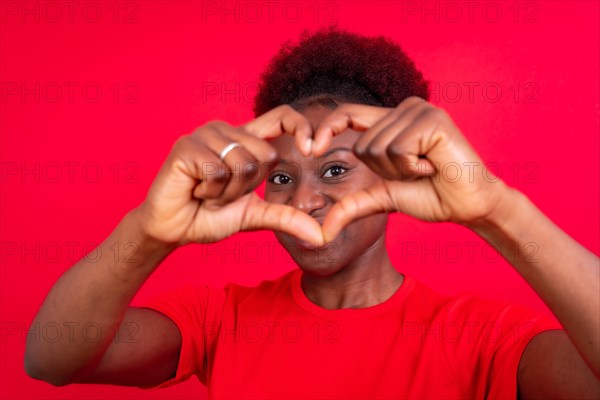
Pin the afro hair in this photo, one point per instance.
(333, 66)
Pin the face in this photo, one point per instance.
(313, 185)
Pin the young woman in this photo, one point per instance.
(343, 136)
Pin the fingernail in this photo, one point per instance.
(309, 144)
(326, 238)
(319, 239)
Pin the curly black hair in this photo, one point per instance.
(332, 66)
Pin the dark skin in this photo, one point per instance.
(354, 270)
(197, 197)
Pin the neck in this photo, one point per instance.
(367, 281)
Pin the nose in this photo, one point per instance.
(308, 198)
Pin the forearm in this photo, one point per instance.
(95, 293)
(563, 273)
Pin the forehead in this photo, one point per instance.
(286, 147)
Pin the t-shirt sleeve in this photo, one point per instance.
(197, 312)
(491, 348)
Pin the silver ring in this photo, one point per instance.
(228, 148)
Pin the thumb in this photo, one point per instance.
(375, 199)
(277, 217)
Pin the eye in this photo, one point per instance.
(280, 179)
(334, 171)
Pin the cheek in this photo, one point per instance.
(268, 196)
(272, 196)
(354, 184)
(359, 178)
(365, 230)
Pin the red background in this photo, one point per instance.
(165, 68)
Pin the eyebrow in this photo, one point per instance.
(324, 155)
(334, 150)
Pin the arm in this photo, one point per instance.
(567, 277)
(197, 196)
(99, 293)
(408, 146)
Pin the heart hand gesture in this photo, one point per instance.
(203, 192)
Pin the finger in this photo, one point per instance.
(405, 112)
(363, 203)
(361, 118)
(254, 170)
(347, 116)
(280, 120)
(396, 153)
(282, 218)
(408, 151)
(195, 169)
(259, 148)
(242, 168)
(371, 147)
(372, 151)
(215, 179)
(418, 199)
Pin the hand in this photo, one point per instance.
(430, 171)
(197, 197)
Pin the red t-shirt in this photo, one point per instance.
(271, 341)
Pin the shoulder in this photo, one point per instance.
(485, 336)
(471, 313)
